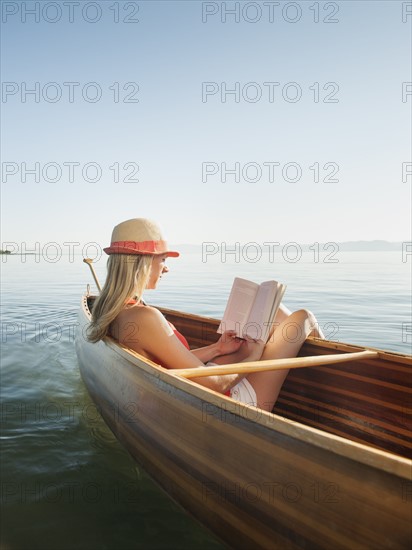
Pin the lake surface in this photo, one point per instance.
(66, 481)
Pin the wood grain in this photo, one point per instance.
(262, 480)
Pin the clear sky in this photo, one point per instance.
(310, 146)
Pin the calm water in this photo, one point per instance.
(66, 482)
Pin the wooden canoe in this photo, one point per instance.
(330, 468)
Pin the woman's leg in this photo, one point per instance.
(285, 341)
(283, 313)
(238, 356)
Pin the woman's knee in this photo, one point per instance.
(304, 318)
(304, 314)
(307, 320)
(296, 328)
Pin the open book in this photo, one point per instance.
(251, 308)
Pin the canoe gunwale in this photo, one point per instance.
(313, 340)
(376, 458)
(383, 460)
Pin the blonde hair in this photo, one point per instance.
(127, 277)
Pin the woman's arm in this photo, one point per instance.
(228, 343)
(157, 340)
(207, 353)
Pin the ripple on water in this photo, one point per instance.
(69, 483)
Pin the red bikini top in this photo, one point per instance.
(178, 334)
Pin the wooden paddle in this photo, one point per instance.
(274, 364)
(89, 262)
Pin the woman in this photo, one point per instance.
(137, 256)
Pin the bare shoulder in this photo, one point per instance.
(147, 315)
(138, 326)
(154, 321)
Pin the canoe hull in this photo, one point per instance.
(255, 479)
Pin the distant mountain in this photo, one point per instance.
(369, 246)
(345, 246)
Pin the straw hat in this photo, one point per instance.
(138, 236)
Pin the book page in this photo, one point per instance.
(238, 306)
(278, 299)
(257, 324)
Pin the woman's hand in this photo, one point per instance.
(255, 349)
(229, 343)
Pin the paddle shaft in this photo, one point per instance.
(89, 262)
(274, 364)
